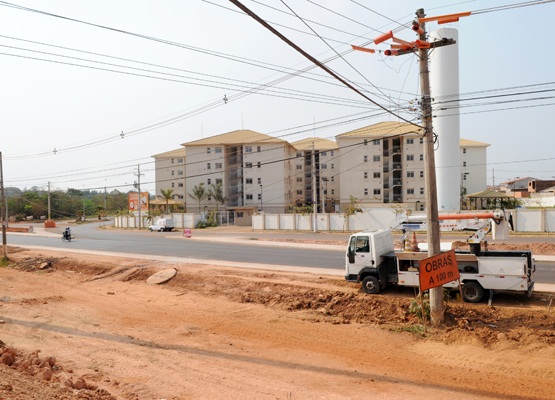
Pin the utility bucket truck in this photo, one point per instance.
(372, 260)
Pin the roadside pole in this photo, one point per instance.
(436, 294)
(3, 211)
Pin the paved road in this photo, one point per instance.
(228, 245)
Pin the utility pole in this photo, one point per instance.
(436, 294)
(105, 199)
(3, 211)
(314, 193)
(138, 174)
(49, 201)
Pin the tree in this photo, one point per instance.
(167, 195)
(198, 194)
(216, 191)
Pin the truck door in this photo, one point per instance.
(358, 255)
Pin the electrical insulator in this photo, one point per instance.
(383, 38)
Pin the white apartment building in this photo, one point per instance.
(253, 168)
(170, 173)
(384, 163)
(317, 163)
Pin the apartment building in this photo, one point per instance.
(254, 169)
(170, 173)
(316, 165)
(384, 163)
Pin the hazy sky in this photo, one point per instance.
(90, 90)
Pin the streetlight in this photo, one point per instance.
(261, 205)
(463, 177)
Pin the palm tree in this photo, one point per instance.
(167, 195)
(216, 191)
(198, 194)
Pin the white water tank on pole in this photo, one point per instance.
(444, 82)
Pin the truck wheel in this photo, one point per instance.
(371, 285)
(472, 292)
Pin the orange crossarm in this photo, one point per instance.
(399, 46)
(443, 19)
(363, 49)
(391, 52)
(383, 37)
(443, 217)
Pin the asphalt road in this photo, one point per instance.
(240, 245)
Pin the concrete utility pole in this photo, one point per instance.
(314, 194)
(436, 294)
(49, 201)
(138, 174)
(3, 211)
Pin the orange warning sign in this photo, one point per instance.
(438, 270)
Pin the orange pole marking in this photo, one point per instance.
(422, 44)
(445, 18)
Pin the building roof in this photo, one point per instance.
(490, 194)
(473, 143)
(172, 153)
(244, 136)
(383, 129)
(315, 143)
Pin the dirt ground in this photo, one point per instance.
(73, 327)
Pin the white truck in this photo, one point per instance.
(163, 224)
(372, 260)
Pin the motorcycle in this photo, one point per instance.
(66, 236)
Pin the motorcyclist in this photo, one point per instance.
(67, 233)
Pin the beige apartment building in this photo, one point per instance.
(316, 165)
(378, 164)
(255, 170)
(384, 163)
(170, 173)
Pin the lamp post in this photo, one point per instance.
(463, 177)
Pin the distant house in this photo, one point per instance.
(518, 187)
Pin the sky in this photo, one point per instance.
(92, 90)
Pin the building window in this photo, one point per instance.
(377, 191)
(331, 153)
(239, 214)
(258, 148)
(365, 158)
(218, 150)
(422, 174)
(464, 151)
(421, 140)
(249, 196)
(299, 166)
(209, 198)
(180, 172)
(376, 158)
(248, 149)
(377, 175)
(299, 154)
(410, 141)
(332, 166)
(180, 197)
(248, 165)
(180, 184)
(259, 196)
(333, 191)
(218, 165)
(299, 192)
(173, 184)
(410, 191)
(464, 163)
(172, 160)
(218, 181)
(410, 174)
(180, 160)
(421, 157)
(323, 166)
(208, 150)
(376, 142)
(366, 175)
(421, 190)
(299, 180)
(259, 181)
(323, 154)
(173, 173)
(366, 192)
(208, 166)
(258, 164)
(410, 157)
(332, 178)
(208, 181)
(248, 181)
